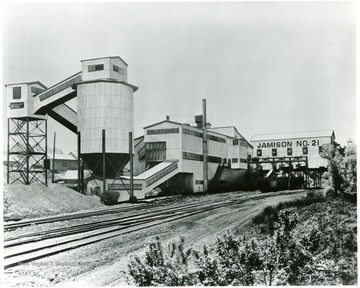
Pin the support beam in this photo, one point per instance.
(27, 151)
(104, 160)
(46, 150)
(205, 149)
(8, 154)
(79, 160)
(131, 165)
(53, 160)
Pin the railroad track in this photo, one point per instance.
(33, 246)
(23, 223)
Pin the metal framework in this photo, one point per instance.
(27, 150)
(314, 174)
(287, 161)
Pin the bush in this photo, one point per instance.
(320, 250)
(280, 259)
(159, 268)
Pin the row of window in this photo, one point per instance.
(236, 160)
(60, 87)
(161, 174)
(36, 90)
(118, 69)
(99, 67)
(242, 142)
(118, 186)
(199, 157)
(185, 131)
(163, 131)
(305, 151)
(200, 135)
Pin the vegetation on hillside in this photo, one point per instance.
(314, 245)
(312, 241)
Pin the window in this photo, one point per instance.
(155, 151)
(163, 131)
(97, 67)
(17, 93)
(236, 142)
(234, 160)
(118, 69)
(289, 151)
(305, 150)
(258, 152)
(274, 152)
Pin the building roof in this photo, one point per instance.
(73, 174)
(135, 88)
(163, 121)
(28, 83)
(235, 130)
(293, 135)
(105, 58)
(61, 156)
(211, 130)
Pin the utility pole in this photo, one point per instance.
(131, 165)
(205, 149)
(53, 160)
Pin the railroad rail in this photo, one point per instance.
(36, 245)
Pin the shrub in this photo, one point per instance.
(322, 254)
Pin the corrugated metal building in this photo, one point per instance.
(309, 143)
(169, 140)
(63, 162)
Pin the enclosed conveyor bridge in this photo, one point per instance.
(51, 101)
(146, 181)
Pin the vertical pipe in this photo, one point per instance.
(53, 160)
(8, 154)
(131, 164)
(46, 180)
(82, 178)
(205, 152)
(27, 150)
(79, 161)
(104, 160)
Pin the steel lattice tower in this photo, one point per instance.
(27, 150)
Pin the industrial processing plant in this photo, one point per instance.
(170, 158)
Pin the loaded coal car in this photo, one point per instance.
(280, 173)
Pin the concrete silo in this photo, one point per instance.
(105, 102)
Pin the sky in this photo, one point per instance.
(263, 67)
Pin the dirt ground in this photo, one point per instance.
(105, 263)
(36, 200)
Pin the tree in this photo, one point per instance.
(342, 167)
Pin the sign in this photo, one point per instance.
(16, 105)
(289, 144)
